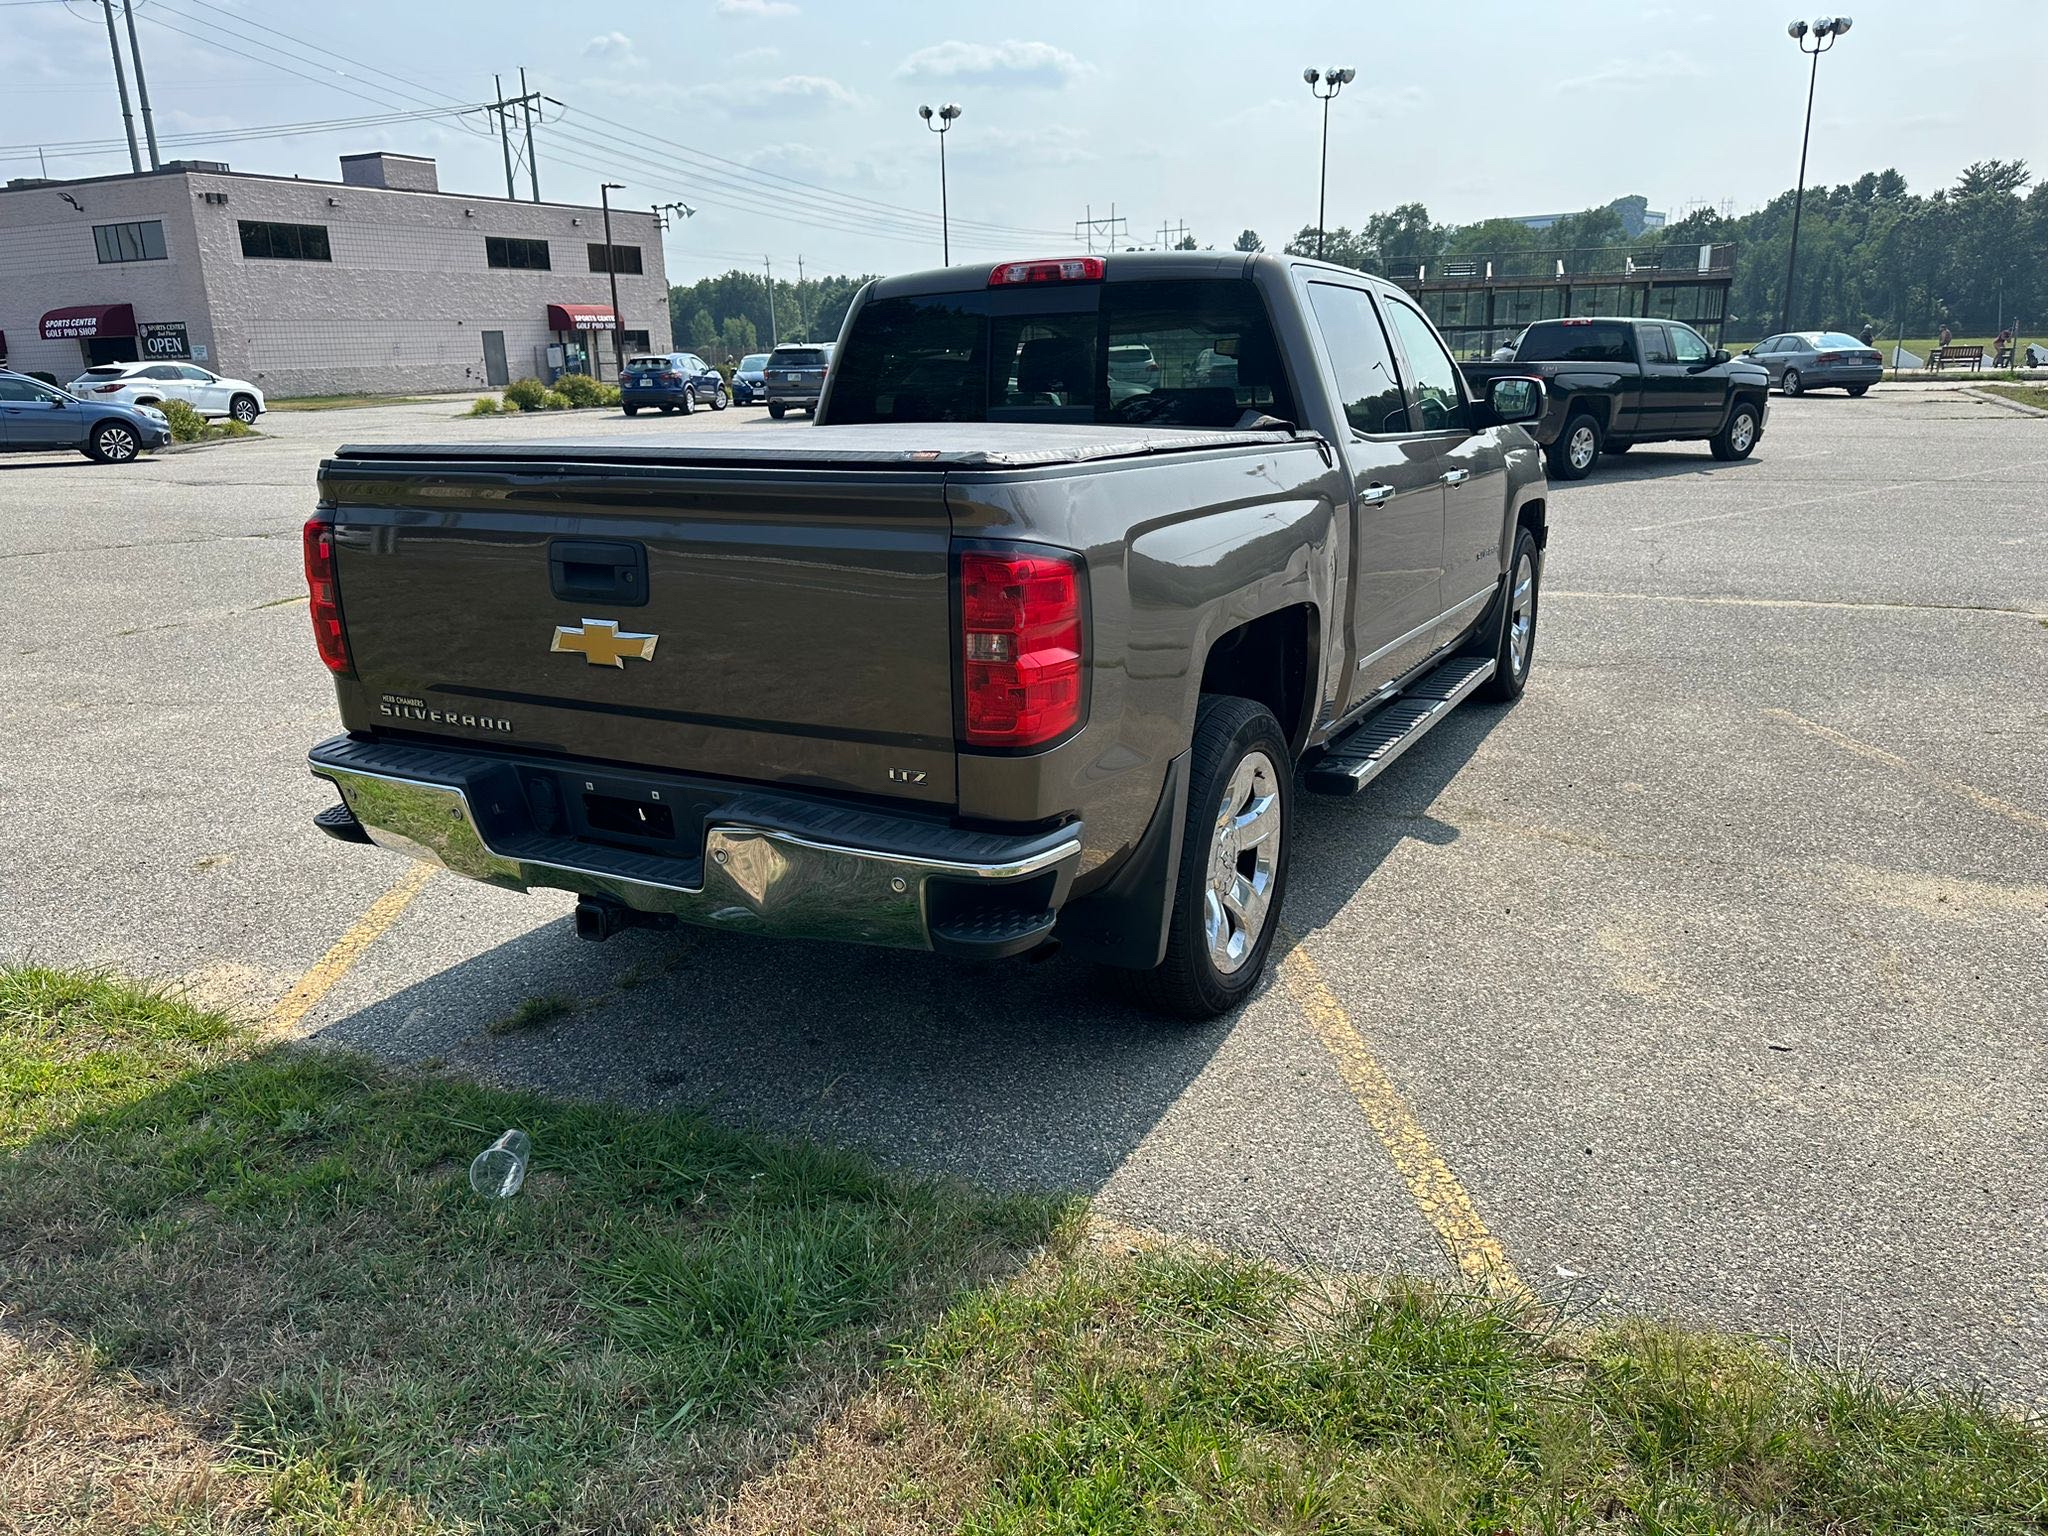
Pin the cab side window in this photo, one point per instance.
(1439, 396)
(1367, 381)
(1688, 345)
(1656, 344)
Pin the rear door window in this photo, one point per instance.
(1575, 341)
(1367, 382)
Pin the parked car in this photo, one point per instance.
(1133, 370)
(39, 418)
(968, 667)
(1803, 360)
(671, 381)
(795, 377)
(1614, 383)
(750, 380)
(153, 383)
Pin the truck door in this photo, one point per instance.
(1701, 393)
(1470, 463)
(1397, 495)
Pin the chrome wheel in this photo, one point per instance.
(116, 444)
(1582, 444)
(1742, 433)
(245, 411)
(1244, 856)
(1522, 615)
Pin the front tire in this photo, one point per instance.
(1793, 385)
(243, 409)
(720, 400)
(1736, 440)
(1514, 650)
(1233, 864)
(1576, 450)
(113, 442)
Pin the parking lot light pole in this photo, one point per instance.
(946, 117)
(1825, 31)
(611, 268)
(1336, 80)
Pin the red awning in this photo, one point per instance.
(82, 321)
(582, 317)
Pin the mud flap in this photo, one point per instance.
(1124, 923)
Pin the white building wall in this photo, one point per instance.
(402, 307)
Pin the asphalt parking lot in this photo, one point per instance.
(1713, 972)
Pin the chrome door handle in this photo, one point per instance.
(1457, 476)
(1376, 493)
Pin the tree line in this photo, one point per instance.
(1973, 256)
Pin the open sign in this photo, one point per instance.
(164, 338)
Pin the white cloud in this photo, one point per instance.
(777, 98)
(611, 48)
(1053, 145)
(749, 56)
(757, 8)
(1012, 62)
(1655, 73)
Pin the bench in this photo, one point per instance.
(1956, 357)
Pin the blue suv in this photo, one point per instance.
(672, 381)
(39, 418)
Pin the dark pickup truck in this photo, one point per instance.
(1615, 383)
(1007, 650)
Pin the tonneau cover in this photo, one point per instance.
(944, 445)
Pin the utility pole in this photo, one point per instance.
(803, 310)
(504, 135)
(1171, 235)
(769, 267)
(611, 270)
(141, 85)
(526, 106)
(121, 84)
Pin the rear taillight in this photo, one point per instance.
(1071, 269)
(1829, 357)
(1020, 623)
(108, 389)
(325, 591)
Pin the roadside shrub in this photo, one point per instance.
(187, 425)
(484, 405)
(581, 389)
(555, 400)
(227, 426)
(608, 395)
(526, 394)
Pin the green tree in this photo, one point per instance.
(737, 338)
(1248, 240)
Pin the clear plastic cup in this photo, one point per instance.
(500, 1169)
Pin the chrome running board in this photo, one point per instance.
(1365, 751)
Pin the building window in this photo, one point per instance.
(130, 242)
(625, 259)
(518, 255)
(284, 242)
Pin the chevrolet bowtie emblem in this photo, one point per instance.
(600, 643)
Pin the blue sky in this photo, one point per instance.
(791, 124)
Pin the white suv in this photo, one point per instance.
(153, 383)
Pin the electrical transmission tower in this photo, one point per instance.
(1108, 229)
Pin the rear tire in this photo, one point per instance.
(690, 401)
(632, 410)
(1233, 862)
(1793, 385)
(1736, 440)
(1858, 391)
(1514, 650)
(1576, 450)
(113, 442)
(777, 409)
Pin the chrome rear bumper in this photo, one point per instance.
(997, 896)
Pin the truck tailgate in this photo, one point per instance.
(779, 625)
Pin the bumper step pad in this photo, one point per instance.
(1365, 751)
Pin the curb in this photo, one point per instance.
(2011, 405)
(205, 443)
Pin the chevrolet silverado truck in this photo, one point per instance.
(1008, 650)
(1616, 383)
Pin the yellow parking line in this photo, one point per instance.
(285, 1014)
(1435, 1189)
(1970, 792)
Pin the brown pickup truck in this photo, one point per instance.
(1013, 648)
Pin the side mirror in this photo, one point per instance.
(1513, 400)
(1720, 355)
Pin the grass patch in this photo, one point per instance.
(2035, 395)
(344, 402)
(209, 1243)
(532, 1013)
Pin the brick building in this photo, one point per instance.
(379, 283)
